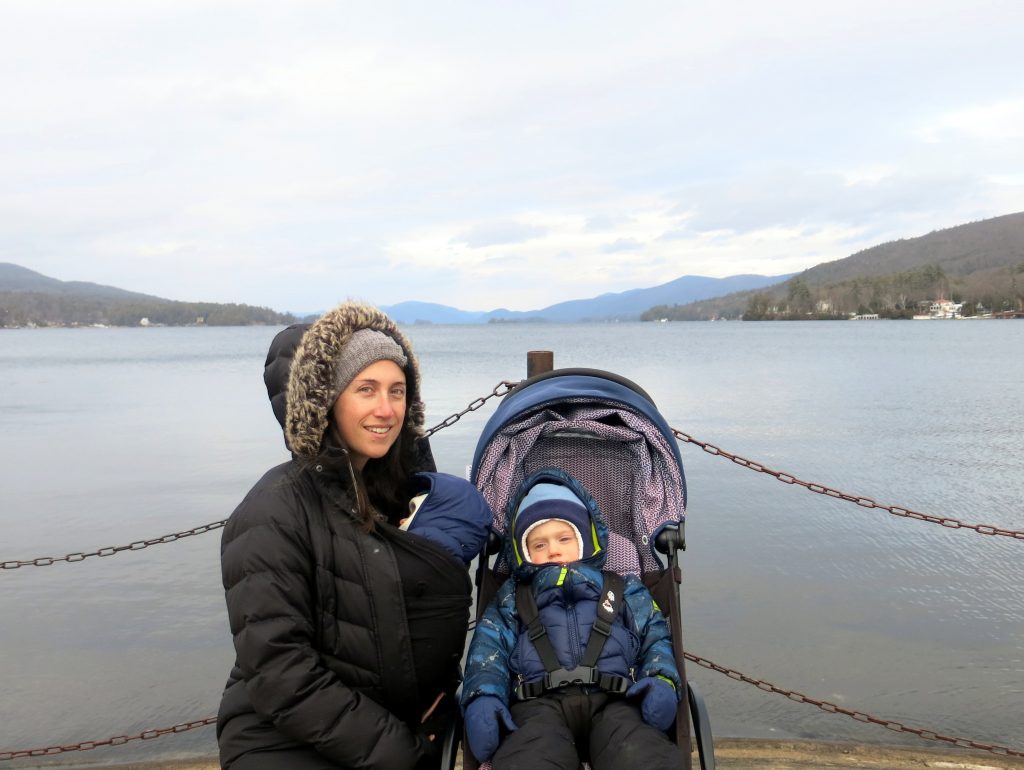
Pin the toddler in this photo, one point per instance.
(573, 663)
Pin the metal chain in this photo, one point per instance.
(501, 389)
(864, 502)
(793, 695)
(860, 716)
(120, 740)
(138, 545)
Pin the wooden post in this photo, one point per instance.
(539, 361)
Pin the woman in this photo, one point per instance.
(347, 631)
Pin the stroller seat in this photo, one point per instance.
(606, 432)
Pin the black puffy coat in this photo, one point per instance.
(315, 602)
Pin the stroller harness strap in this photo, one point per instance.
(586, 673)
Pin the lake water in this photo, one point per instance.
(108, 436)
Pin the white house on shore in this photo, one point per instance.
(940, 309)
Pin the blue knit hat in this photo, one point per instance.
(545, 502)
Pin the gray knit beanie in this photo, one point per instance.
(364, 347)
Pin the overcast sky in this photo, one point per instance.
(484, 155)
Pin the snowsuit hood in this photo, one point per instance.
(595, 535)
(454, 514)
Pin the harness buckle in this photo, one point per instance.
(535, 630)
(529, 690)
(581, 675)
(602, 626)
(612, 684)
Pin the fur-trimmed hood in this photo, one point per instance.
(312, 375)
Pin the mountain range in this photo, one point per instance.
(28, 298)
(614, 306)
(15, 278)
(980, 263)
(21, 286)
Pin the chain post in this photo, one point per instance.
(539, 362)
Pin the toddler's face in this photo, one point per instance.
(553, 542)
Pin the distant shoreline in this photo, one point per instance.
(100, 327)
(1009, 315)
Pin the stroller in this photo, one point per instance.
(605, 431)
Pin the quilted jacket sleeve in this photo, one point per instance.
(268, 574)
(487, 666)
(656, 657)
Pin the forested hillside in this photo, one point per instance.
(28, 298)
(980, 264)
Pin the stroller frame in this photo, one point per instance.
(569, 417)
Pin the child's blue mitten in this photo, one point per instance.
(658, 707)
(482, 728)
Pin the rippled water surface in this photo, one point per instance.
(117, 435)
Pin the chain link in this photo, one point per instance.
(502, 388)
(860, 716)
(138, 545)
(864, 502)
(119, 740)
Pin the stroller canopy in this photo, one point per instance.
(605, 431)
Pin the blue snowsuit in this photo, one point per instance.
(502, 656)
(454, 514)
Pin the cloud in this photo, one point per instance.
(622, 244)
(292, 155)
(998, 121)
(604, 222)
(792, 198)
(676, 234)
(493, 233)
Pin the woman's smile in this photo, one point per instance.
(369, 413)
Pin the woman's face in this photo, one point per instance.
(369, 413)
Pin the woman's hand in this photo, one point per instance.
(427, 714)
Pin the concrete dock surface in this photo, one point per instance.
(742, 754)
